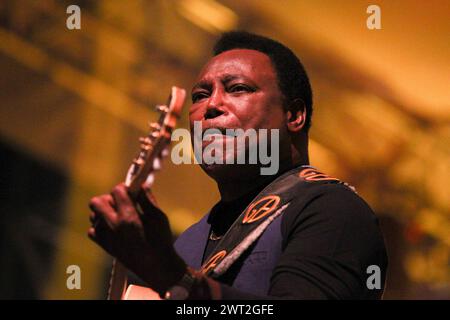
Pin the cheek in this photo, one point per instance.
(195, 114)
(274, 107)
(263, 113)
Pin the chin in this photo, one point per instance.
(217, 171)
(230, 172)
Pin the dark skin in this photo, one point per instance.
(236, 89)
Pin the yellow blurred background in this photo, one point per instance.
(74, 102)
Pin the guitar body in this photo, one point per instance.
(140, 293)
(139, 178)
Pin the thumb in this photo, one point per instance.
(148, 204)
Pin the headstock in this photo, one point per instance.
(154, 146)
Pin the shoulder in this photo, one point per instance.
(332, 197)
(330, 232)
(334, 219)
(313, 187)
(329, 205)
(327, 194)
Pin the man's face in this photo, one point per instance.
(237, 89)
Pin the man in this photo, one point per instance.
(297, 234)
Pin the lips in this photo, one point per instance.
(213, 132)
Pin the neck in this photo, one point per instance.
(234, 188)
(246, 179)
(231, 190)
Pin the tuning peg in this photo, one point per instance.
(146, 143)
(165, 152)
(154, 126)
(149, 182)
(154, 134)
(138, 161)
(145, 147)
(157, 164)
(162, 108)
(145, 140)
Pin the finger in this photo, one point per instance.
(95, 206)
(150, 197)
(102, 236)
(101, 208)
(147, 201)
(148, 204)
(91, 234)
(124, 204)
(92, 217)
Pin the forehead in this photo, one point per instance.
(249, 63)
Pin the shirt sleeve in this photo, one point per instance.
(329, 242)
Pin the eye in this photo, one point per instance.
(197, 96)
(240, 88)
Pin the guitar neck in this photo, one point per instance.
(118, 281)
(142, 168)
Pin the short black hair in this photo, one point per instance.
(292, 78)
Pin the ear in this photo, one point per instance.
(296, 116)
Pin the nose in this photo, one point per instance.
(215, 107)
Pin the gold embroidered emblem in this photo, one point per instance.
(213, 261)
(261, 208)
(311, 174)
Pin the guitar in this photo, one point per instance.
(140, 176)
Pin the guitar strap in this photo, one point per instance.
(257, 216)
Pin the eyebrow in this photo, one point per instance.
(224, 78)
